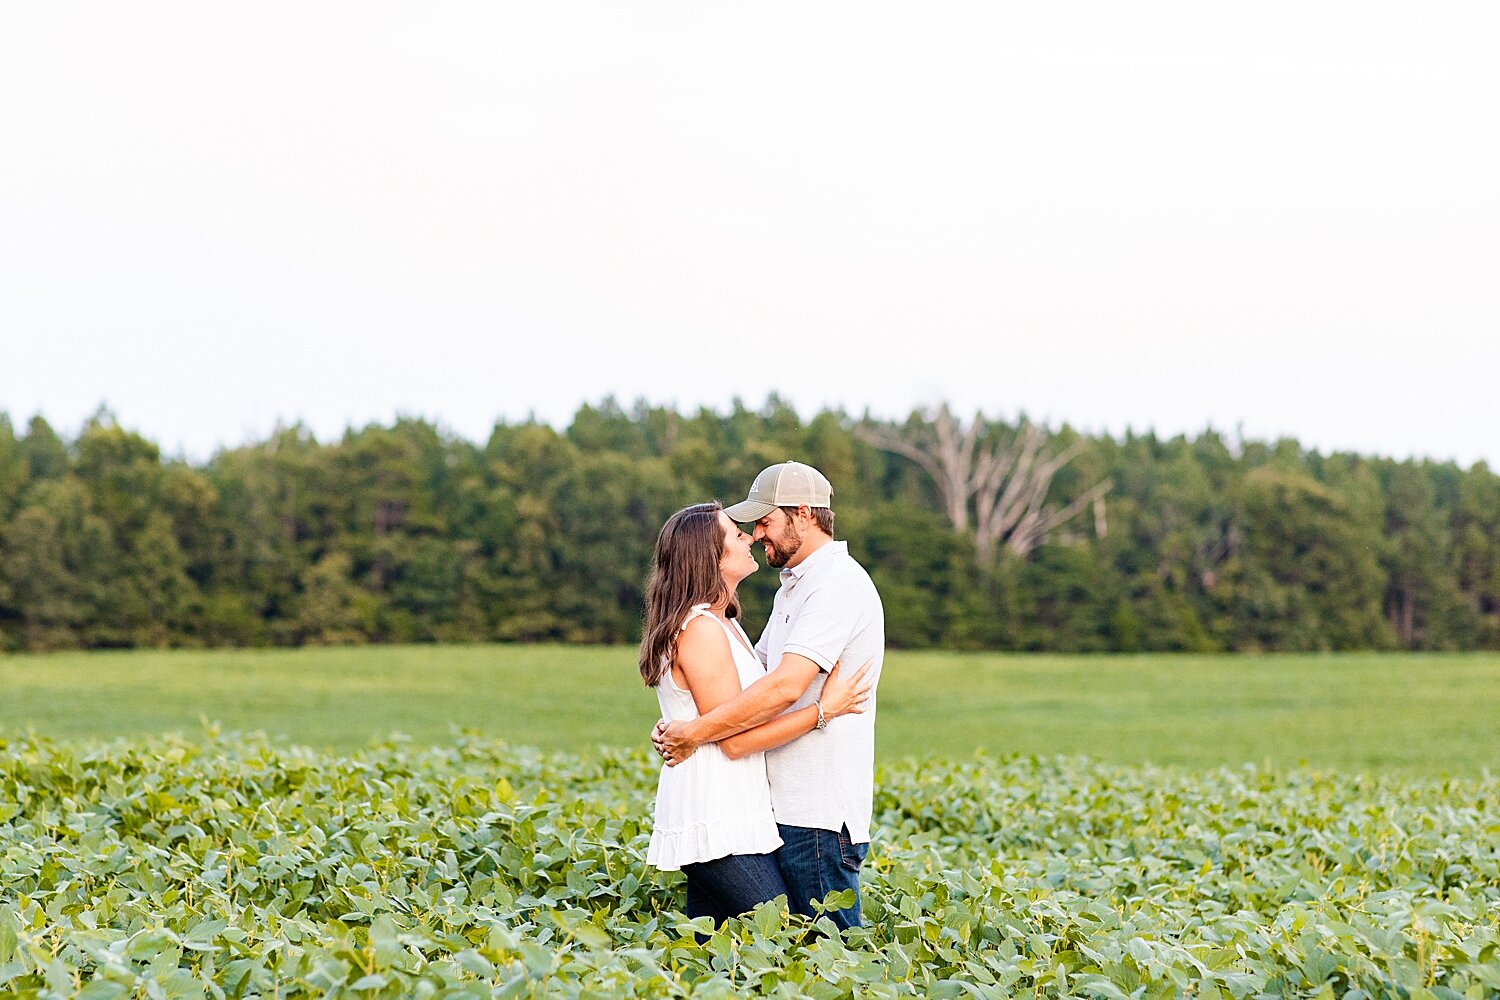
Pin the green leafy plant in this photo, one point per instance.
(230, 867)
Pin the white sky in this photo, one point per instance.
(1280, 216)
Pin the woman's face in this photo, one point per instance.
(736, 563)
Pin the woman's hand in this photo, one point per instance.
(845, 695)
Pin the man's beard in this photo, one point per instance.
(780, 552)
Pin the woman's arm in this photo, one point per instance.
(840, 696)
(780, 730)
(706, 664)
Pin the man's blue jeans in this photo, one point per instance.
(816, 862)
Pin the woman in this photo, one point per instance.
(713, 810)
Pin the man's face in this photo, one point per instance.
(779, 536)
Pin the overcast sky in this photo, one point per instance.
(1280, 217)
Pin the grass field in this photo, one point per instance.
(1419, 714)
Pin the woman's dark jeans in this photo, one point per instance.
(727, 887)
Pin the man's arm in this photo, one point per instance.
(760, 702)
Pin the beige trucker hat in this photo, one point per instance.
(790, 484)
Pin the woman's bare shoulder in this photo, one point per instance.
(702, 638)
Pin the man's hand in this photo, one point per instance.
(670, 740)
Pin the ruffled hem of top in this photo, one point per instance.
(671, 849)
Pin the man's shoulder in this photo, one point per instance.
(832, 558)
(844, 576)
(845, 566)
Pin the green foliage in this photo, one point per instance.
(406, 534)
(1314, 570)
(228, 866)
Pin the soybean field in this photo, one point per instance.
(472, 822)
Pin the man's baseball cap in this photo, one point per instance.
(790, 484)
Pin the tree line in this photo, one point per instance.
(981, 534)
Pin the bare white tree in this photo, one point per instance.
(1003, 480)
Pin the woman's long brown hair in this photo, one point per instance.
(684, 572)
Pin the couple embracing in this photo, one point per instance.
(769, 748)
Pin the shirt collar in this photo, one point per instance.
(791, 574)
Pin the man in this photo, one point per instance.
(826, 612)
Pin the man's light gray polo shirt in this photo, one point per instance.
(828, 611)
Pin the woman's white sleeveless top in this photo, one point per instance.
(709, 806)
